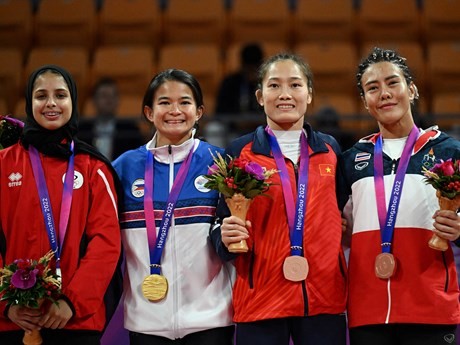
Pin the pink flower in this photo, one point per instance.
(23, 279)
(255, 170)
(213, 169)
(13, 121)
(447, 168)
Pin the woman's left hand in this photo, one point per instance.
(447, 224)
(57, 316)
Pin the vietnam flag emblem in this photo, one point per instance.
(326, 170)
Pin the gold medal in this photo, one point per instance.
(155, 287)
(385, 265)
(295, 268)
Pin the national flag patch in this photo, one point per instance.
(137, 188)
(326, 170)
(362, 156)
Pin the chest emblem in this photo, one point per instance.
(77, 179)
(15, 179)
(326, 170)
(199, 184)
(137, 188)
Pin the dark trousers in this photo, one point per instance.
(215, 336)
(310, 330)
(403, 334)
(54, 337)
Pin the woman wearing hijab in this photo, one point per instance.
(42, 210)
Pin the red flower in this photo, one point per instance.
(447, 168)
(444, 177)
(23, 264)
(240, 162)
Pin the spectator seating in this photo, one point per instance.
(65, 23)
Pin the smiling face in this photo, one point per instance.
(388, 97)
(51, 101)
(285, 95)
(173, 113)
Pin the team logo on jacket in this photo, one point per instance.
(137, 188)
(429, 160)
(360, 160)
(77, 179)
(199, 184)
(15, 179)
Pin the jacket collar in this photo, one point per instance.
(262, 146)
(425, 137)
(177, 153)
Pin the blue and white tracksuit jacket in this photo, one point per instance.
(199, 283)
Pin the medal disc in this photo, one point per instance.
(385, 265)
(154, 287)
(295, 268)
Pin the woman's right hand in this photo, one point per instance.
(234, 230)
(26, 318)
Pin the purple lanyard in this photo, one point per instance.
(156, 244)
(387, 218)
(296, 223)
(45, 201)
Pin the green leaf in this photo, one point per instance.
(250, 184)
(225, 190)
(252, 193)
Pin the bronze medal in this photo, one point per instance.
(385, 265)
(295, 268)
(155, 287)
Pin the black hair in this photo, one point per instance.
(172, 75)
(305, 68)
(382, 55)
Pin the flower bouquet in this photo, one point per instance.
(28, 283)
(10, 130)
(445, 178)
(239, 181)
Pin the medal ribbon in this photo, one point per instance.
(296, 223)
(387, 218)
(45, 201)
(156, 244)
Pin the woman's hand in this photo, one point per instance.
(447, 224)
(57, 315)
(234, 230)
(26, 318)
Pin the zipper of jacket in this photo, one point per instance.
(172, 240)
(251, 268)
(393, 166)
(446, 286)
